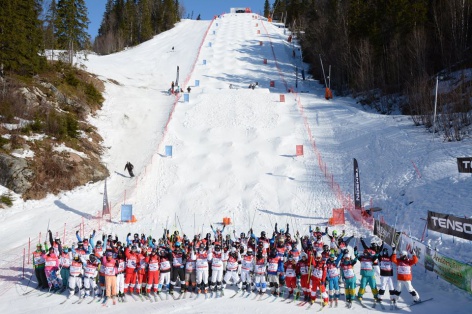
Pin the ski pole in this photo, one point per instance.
(253, 218)
(178, 220)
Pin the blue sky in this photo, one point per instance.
(206, 8)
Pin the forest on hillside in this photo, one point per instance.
(389, 53)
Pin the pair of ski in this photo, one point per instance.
(411, 304)
(310, 304)
(105, 302)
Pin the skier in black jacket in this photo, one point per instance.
(130, 168)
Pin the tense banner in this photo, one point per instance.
(451, 225)
(388, 234)
(464, 164)
(357, 187)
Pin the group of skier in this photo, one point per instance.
(145, 267)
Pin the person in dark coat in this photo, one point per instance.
(129, 167)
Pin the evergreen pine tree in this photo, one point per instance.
(71, 26)
(21, 36)
(49, 22)
(266, 9)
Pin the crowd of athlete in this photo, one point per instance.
(145, 266)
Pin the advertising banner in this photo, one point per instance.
(452, 271)
(451, 225)
(464, 164)
(357, 187)
(126, 212)
(457, 273)
(388, 234)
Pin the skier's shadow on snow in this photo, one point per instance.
(286, 214)
(279, 175)
(75, 211)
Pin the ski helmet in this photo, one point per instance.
(303, 255)
(249, 252)
(404, 254)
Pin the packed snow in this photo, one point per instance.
(234, 155)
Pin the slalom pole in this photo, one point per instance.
(24, 256)
(29, 248)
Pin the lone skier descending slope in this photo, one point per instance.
(130, 168)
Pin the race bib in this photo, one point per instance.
(348, 273)
(272, 267)
(109, 271)
(90, 271)
(165, 265)
(404, 270)
(387, 266)
(333, 272)
(153, 266)
(316, 272)
(202, 263)
(131, 263)
(232, 266)
(366, 265)
(50, 263)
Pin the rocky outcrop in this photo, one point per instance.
(15, 174)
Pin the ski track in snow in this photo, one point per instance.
(234, 156)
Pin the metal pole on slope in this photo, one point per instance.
(322, 68)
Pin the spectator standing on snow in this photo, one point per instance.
(38, 264)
